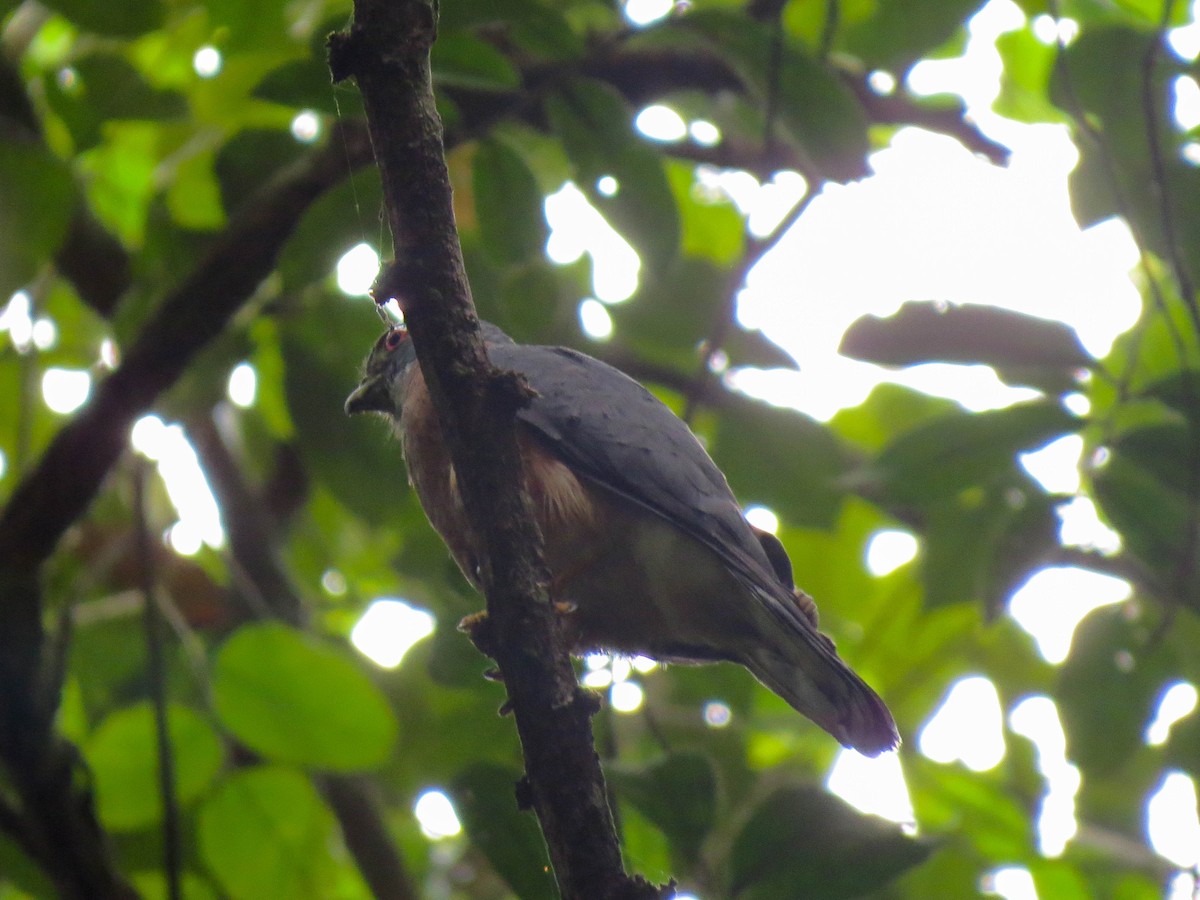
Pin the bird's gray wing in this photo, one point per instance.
(611, 430)
(614, 433)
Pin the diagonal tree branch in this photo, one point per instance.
(387, 52)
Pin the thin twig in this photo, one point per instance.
(157, 677)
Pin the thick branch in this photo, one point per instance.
(387, 52)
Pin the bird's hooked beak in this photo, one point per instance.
(371, 395)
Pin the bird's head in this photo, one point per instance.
(388, 367)
(385, 375)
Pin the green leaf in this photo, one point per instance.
(107, 88)
(293, 699)
(1109, 687)
(508, 204)
(247, 158)
(354, 456)
(306, 84)
(22, 873)
(896, 33)
(981, 544)
(804, 842)
(1025, 78)
(821, 115)
(753, 348)
(537, 27)
(36, 199)
(1151, 514)
(711, 228)
(978, 807)
(340, 219)
(265, 833)
(783, 459)
(153, 886)
(672, 312)
(956, 451)
(123, 757)
(461, 60)
(888, 411)
(114, 19)
(1113, 172)
(256, 27)
(678, 793)
(1022, 349)
(485, 798)
(596, 129)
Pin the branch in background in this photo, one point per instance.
(253, 542)
(157, 677)
(55, 813)
(387, 51)
(900, 108)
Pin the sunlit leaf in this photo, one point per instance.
(895, 33)
(293, 699)
(265, 834)
(124, 759)
(1025, 80)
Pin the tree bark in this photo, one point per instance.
(387, 52)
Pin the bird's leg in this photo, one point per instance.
(478, 627)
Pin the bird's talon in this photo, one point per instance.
(505, 709)
(494, 674)
(478, 627)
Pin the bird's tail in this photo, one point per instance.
(801, 665)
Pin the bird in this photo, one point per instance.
(647, 548)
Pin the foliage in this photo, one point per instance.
(120, 170)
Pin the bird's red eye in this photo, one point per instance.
(395, 338)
